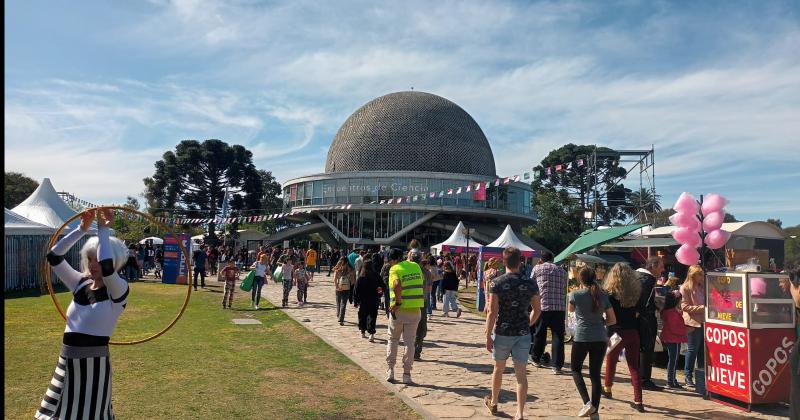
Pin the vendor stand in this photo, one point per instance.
(749, 335)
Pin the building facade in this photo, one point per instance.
(416, 147)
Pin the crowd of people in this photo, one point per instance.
(614, 314)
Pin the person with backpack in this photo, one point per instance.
(648, 323)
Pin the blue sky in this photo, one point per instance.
(97, 91)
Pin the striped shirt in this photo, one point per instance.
(552, 282)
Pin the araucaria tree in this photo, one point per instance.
(195, 176)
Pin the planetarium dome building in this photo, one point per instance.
(408, 147)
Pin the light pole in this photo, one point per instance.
(466, 261)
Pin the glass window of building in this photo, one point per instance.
(368, 224)
(434, 186)
(356, 190)
(342, 193)
(329, 192)
(385, 186)
(307, 193)
(449, 186)
(370, 193)
(317, 197)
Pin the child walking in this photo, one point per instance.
(301, 279)
(673, 334)
(230, 273)
(287, 270)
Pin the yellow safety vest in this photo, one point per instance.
(409, 274)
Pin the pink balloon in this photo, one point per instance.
(713, 221)
(687, 255)
(686, 236)
(717, 238)
(713, 202)
(686, 220)
(685, 204)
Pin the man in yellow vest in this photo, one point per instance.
(406, 298)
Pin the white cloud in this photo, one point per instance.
(716, 91)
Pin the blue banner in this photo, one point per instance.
(175, 264)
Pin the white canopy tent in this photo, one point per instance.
(458, 240)
(44, 206)
(156, 240)
(16, 224)
(507, 239)
(25, 247)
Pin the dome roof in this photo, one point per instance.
(411, 131)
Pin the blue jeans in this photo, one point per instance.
(673, 350)
(450, 301)
(695, 351)
(428, 297)
(258, 282)
(432, 300)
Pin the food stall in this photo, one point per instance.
(749, 335)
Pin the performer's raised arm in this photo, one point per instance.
(116, 285)
(68, 275)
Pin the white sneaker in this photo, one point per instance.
(390, 375)
(407, 378)
(256, 306)
(372, 338)
(587, 410)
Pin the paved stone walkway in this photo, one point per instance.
(455, 372)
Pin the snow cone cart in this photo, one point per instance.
(749, 335)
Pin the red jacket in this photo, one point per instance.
(674, 331)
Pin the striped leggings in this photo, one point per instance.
(79, 389)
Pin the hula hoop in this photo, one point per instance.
(48, 275)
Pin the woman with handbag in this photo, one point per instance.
(694, 313)
(624, 288)
(343, 279)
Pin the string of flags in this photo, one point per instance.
(560, 167)
(477, 190)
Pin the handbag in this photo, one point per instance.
(277, 275)
(613, 342)
(247, 283)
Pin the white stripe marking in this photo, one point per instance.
(76, 389)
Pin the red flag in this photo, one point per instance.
(480, 193)
(558, 167)
(505, 181)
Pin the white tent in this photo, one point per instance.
(156, 240)
(457, 239)
(25, 247)
(507, 239)
(44, 206)
(19, 225)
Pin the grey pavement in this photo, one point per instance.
(455, 371)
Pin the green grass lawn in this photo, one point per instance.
(204, 368)
(467, 298)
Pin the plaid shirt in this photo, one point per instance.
(552, 282)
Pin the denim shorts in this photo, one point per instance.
(518, 346)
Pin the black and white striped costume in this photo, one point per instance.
(81, 385)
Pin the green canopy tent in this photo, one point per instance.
(592, 238)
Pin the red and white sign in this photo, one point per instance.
(770, 358)
(727, 367)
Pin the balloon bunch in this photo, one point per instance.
(694, 229)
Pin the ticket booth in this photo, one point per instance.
(749, 335)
